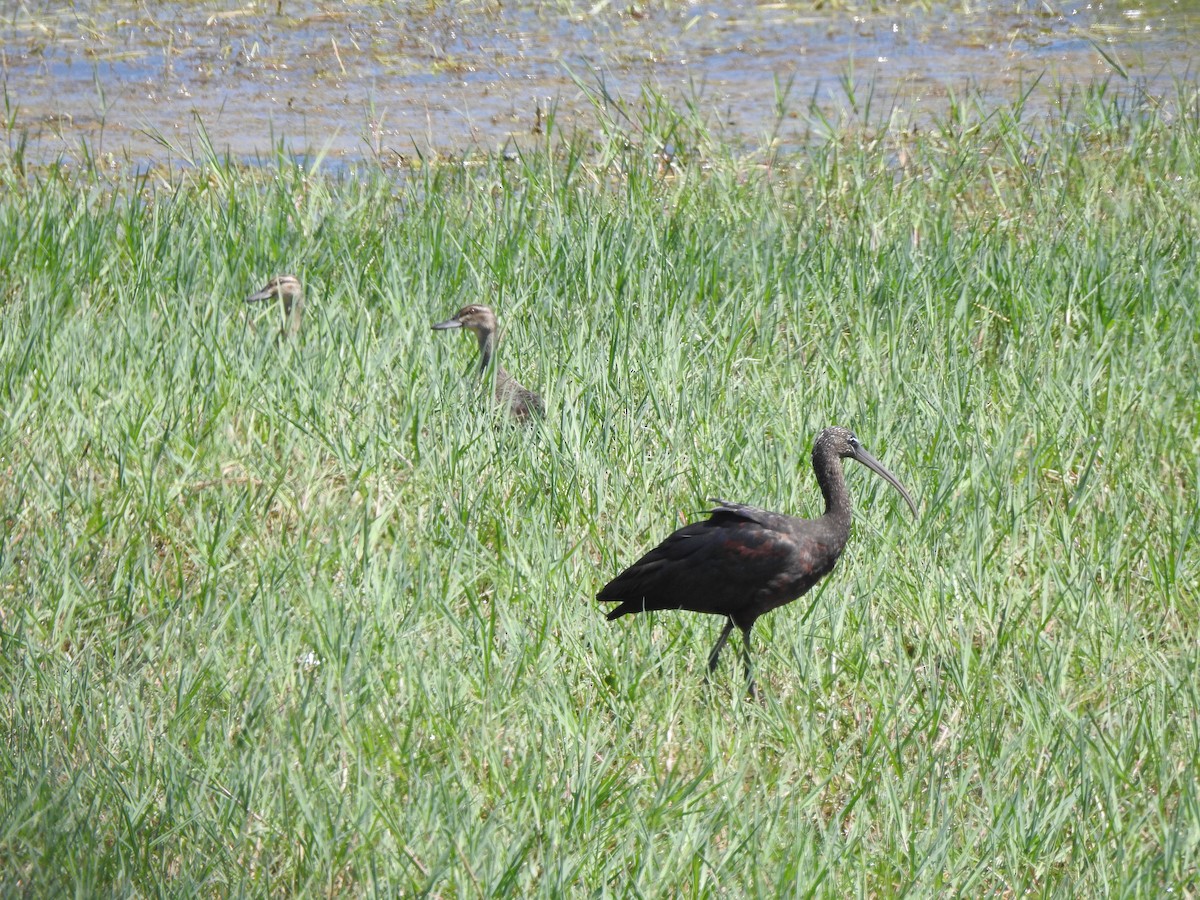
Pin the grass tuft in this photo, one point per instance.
(306, 616)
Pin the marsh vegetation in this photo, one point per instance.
(294, 617)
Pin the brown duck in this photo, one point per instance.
(287, 289)
(518, 400)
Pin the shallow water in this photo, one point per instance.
(361, 80)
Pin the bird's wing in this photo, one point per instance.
(711, 566)
(763, 517)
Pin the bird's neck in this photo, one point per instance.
(832, 479)
(487, 345)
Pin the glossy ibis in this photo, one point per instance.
(510, 394)
(287, 289)
(744, 561)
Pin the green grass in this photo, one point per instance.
(305, 617)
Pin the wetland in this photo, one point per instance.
(146, 83)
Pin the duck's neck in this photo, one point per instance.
(487, 345)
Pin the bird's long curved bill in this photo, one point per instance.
(449, 323)
(877, 467)
(265, 294)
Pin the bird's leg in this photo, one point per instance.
(750, 688)
(716, 651)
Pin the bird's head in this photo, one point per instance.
(286, 287)
(479, 319)
(843, 443)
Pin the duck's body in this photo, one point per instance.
(519, 401)
(744, 561)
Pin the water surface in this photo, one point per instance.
(368, 80)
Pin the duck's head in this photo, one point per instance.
(479, 319)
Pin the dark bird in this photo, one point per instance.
(510, 394)
(285, 288)
(744, 561)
